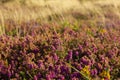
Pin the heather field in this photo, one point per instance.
(59, 40)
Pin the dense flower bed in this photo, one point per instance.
(61, 53)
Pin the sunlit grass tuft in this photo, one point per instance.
(57, 10)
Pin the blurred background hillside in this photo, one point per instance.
(59, 10)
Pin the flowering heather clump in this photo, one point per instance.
(60, 53)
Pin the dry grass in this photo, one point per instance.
(42, 8)
(57, 9)
(36, 9)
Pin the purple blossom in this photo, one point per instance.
(86, 43)
(95, 49)
(40, 63)
(48, 77)
(31, 66)
(80, 48)
(101, 57)
(3, 70)
(64, 70)
(53, 48)
(92, 62)
(52, 74)
(76, 75)
(36, 50)
(39, 75)
(69, 56)
(17, 75)
(9, 73)
(110, 54)
(85, 61)
(55, 57)
(89, 52)
(61, 77)
(76, 53)
(35, 77)
(94, 72)
(74, 78)
(79, 67)
(57, 69)
(50, 68)
(99, 66)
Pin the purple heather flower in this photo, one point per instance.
(23, 53)
(110, 54)
(39, 75)
(76, 53)
(76, 74)
(1, 63)
(92, 61)
(13, 63)
(64, 70)
(53, 48)
(111, 68)
(74, 78)
(12, 72)
(52, 74)
(80, 48)
(50, 68)
(9, 74)
(55, 57)
(99, 66)
(101, 57)
(106, 78)
(86, 43)
(35, 77)
(79, 67)
(115, 38)
(69, 56)
(3, 70)
(36, 50)
(57, 69)
(94, 49)
(61, 77)
(30, 66)
(85, 61)
(40, 63)
(48, 77)
(17, 75)
(94, 72)
(89, 52)
(23, 44)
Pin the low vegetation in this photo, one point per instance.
(79, 40)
